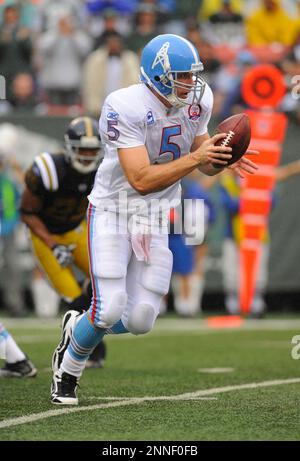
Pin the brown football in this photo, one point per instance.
(238, 137)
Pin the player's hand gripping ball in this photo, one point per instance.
(238, 137)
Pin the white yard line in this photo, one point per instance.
(138, 400)
(32, 323)
(146, 399)
(32, 339)
(163, 325)
(216, 370)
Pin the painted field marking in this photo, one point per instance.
(216, 370)
(30, 339)
(146, 399)
(269, 343)
(138, 400)
(162, 325)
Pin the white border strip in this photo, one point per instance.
(50, 162)
(43, 171)
(138, 400)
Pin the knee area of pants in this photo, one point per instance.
(114, 309)
(141, 319)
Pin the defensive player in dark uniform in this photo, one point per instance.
(53, 207)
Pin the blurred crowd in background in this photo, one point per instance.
(63, 57)
(57, 54)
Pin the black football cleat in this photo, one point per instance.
(63, 389)
(22, 369)
(68, 323)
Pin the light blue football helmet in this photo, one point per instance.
(163, 58)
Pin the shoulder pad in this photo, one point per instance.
(207, 100)
(48, 172)
(125, 103)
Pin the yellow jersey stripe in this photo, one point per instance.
(88, 127)
(48, 171)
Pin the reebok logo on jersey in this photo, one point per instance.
(112, 116)
(150, 118)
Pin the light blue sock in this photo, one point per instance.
(3, 332)
(3, 337)
(84, 339)
(117, 329)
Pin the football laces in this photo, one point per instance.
(228, 138)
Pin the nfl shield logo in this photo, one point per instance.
(194, 112)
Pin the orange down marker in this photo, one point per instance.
(263, 89)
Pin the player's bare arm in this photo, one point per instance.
(146, 178)
(30, 206)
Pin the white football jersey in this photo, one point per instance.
(133, 117)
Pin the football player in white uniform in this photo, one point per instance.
(155, 133)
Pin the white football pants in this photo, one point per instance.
(124, 287)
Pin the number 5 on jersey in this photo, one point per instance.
(113, 133)
(168, 146)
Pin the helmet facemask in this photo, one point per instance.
(84, 164)
(197, 88)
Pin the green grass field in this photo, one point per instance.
(153, 387)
